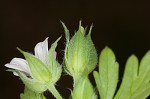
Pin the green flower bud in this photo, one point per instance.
(80, 53)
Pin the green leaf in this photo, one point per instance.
(98, 82)
(130, 75)
(135, 84)
(144, 69)
(143, 78)
(107, 77)
(142, 93)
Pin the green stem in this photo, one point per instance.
(78, 76)
(54, 91)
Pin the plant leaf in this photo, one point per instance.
(144, 69)
(142, 92)
(130, 75)
(108, 74)
(143, 78)
(98, 83)
(135, 85)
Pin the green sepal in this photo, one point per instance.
(76, 50)
(81, 28)
(53, 65)
(38, 68)
(32, 83)
(67, 34)
(92, 55)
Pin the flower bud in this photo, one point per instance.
(80, 53)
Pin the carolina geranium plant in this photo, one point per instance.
(40, 71)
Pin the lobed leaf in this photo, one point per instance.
(135, 83)
(108, 74)
(130, 75)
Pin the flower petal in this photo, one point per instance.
(19, 64)
(41, 50)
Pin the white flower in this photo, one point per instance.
(41, 71)
(41, 52)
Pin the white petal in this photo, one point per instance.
(41, 50)
(19, 64)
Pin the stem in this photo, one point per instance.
(76, 79)
(54, 91)
(78, 76)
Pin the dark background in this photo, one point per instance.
(122, 25)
